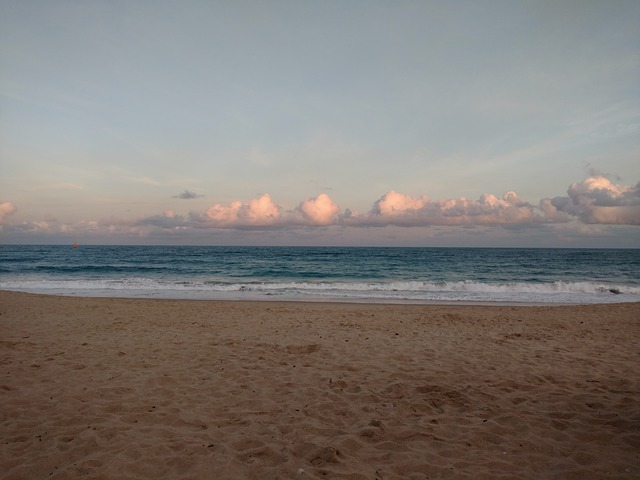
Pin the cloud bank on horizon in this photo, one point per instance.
(595, 200)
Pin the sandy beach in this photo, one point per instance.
(163, 389)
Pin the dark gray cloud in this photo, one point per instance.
(188, 195)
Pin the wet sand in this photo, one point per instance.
(164, 389)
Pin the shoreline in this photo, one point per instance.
(118, 388)
(332, 300)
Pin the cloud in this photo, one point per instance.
(168, 220)
(596, 200)
(395, 204)
(595, 172)
(6, 209)
(261, 211)
(188, 195)
(320, 210)
(591, 205)
(264, 212)
(394, 208)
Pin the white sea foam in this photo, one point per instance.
(392, 291)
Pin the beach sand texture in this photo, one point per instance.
(131, 389)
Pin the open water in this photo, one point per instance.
(417, 275)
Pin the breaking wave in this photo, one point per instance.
(416, 291)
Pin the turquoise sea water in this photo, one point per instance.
(420, 275)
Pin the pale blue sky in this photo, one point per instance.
(403, 114)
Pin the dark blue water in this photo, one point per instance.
(330, 273)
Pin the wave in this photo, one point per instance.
(417, 291)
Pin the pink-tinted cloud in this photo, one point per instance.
(598, 200)
(6, 209)
(261, 211)
(395, 204)
(320, 210)
(395, 208)
(264, 212)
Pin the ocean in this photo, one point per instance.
(395, 275)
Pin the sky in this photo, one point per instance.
(295, 122)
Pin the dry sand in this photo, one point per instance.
(124, 389)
